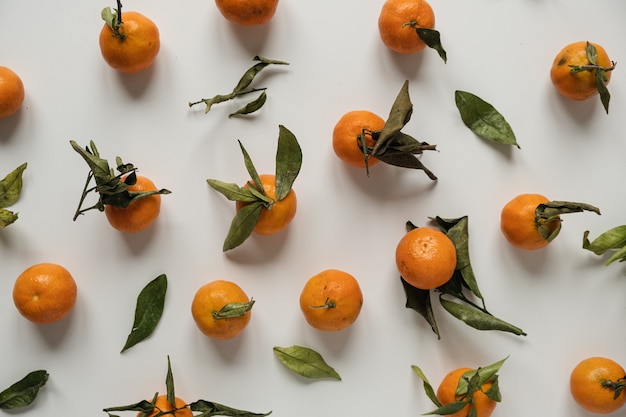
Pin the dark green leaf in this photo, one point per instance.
(232, 310)
(430, 392)
(483, 375)
(288, 161)
(449, 408)
(210, 408)
(251, 169)
(494, 391)
(169, 384)
(305, 362)
(432, 39)
(605, 96)
(552, 210)
(232, 191)
(419, 300)
(99, 167)
(592, 53)
(483, 119)
(253, 71)
(148, 311)
(252, 106)
(141, 406)
(11, 186)
(242, 225)
(478, 319)
(399, 116)
(7, 217)
(24, 391)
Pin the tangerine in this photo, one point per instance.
(11, 92)
(597, 383)
(331, 300)
(583, 84)
(347, 132)
(520, 225)
(140, 213)
(133, 45)
(221, 309)
(163, 407)
(247, 12)
(446, 394)
(45, 293)
(398, 20)
(279, 214)
(426, 258)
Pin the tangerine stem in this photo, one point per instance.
(327, 304)
(119, 13)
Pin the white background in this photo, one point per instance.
(568, 302)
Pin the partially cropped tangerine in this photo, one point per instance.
(247, 12)
(11, 92)
(350, 127)
(280, 214)
(139, 214)
(398, 21)
(426, 258)
(134, 46)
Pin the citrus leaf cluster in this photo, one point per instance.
(463, 287)
(305, 361)
(24, 391)
(205, 408)
(613, 239)
(469, 384)
(549, 212)
(599, 71)
(392, 146)
(112, 190)
(10, 191)
(288, 164)
(243, 88)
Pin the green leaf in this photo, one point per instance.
(24, 391)
(7, 217)
(288, 161)
(478, 319)
(399, 116)
(449, 408)
(253, 71)
(432, 39)
(11, 186)
(592, 53)
(251, 169)
(419, 300)
(483, 119)
(148, 311)
(614, 238)
(142, 406)
(210, 408)
(111, 17)
(305, 362)
(430, 392)
(252, 106)
(169, 384)
(232, 191)
(552, 211)
(605, 96)
(242, 225)
(232, 310)
(483, 375)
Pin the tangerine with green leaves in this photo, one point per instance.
(11, 92)
(129, 41)
(279, 213)
(447, 394)
(350, 130)
(140, 213)
(221, 309)
(163, 407)
(580, 70)
(597, 385)
(45, 293)
(247, 12)
(426, 258)
(331, 300)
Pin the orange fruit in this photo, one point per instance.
(446, 394)
(347, 132)
(136, 45)
(589, 385)
(394, 24)
(518, 224)
(247, 12)
(44, 293)
(426, 258)
(139, 214)
(11, 92)
(164, 406)
(331, 300)
(280, 214)
(579, 85)
(209, 300)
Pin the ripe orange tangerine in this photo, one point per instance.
(134, 46)
(594, 382)
(347, 132)
(139, 214)
(247, 12)
(446, 394)
(45, 293)
(518, 223)
(331, 300)
(426, 258)
(11, 92)
(397, 22)
(280, 214)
